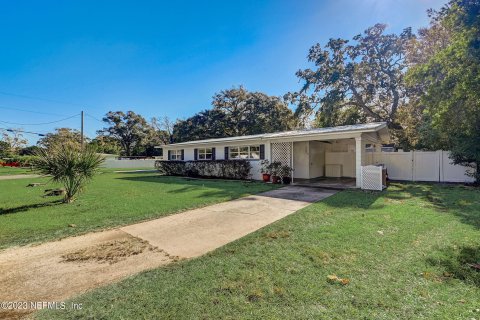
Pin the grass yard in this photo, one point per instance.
(112, 199)
(402, 254)
(6, 171)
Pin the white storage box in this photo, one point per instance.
(333, 170)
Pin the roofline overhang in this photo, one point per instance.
(353, 133)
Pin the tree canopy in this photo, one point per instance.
(61, 136)
(366, 74)
(448, 82)
(236, 112)
(129, 129)
(11, 141)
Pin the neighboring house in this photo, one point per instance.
(323, 152)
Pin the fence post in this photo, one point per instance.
(440, 165)
(412, 164)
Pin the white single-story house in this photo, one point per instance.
(312, 153)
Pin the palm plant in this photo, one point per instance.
(68, 165)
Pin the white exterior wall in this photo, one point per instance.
(311, 157)
(317, 159)
(434, 166)
(342, 153)
(301, 160)
(189, 154)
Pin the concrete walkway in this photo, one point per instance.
(41, 273)
(19, 176)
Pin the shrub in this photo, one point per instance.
(69, 166)
(225, 169)
(171, 168)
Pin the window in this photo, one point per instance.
(205, 154)
(244, 152)
(369, 147)
(176, 155)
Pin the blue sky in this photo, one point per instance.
(165, 57)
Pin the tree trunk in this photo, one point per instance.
(68, 199)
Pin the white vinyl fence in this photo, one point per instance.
(129, 164)
(420, 166)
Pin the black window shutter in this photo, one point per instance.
(226, 153)
(183, 154)
(169, 154)
(195, 154)
(213, 153)
(262, 151)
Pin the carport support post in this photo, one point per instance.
(358, 161)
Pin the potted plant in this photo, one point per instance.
(286, 174)
(266, 172)
(275, 171)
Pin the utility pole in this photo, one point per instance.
(81, 129)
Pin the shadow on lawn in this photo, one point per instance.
(231, 188)
(187, 185)
(457, 263)
(30, 206)
(463, 202)
(355, 199)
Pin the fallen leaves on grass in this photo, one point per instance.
(279, 291)
(278, 234)
(436, 277)
(334, 279)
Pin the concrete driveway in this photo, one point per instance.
(26, 273)
(195, 232)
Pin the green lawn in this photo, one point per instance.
(6, 171)
(112, 199)
(405, 252)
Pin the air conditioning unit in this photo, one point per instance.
(373, 178)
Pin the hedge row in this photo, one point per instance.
(225, 169)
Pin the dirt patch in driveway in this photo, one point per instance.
(111, 251)
(58, 270)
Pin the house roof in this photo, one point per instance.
(317, 132)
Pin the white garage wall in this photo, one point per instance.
(317, 159)
(301, 160)
(345, 159)
(342, 152)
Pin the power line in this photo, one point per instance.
(31, 111)
(38, 124)
(94, 118)
(23, 131)
(38, 98)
